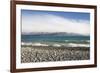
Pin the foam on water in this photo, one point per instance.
(55, 44)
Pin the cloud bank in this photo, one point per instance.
(53, 23)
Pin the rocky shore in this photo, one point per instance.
(46, 53)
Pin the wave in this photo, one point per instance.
(55, 44)
(78, 45)
(77, 40)
(33, 44)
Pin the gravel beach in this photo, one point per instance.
(48, 53)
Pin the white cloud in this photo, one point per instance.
(52, 23)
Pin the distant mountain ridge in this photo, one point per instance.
(53, 34)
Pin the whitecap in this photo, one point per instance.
(39, 44)
(56, 45)
(78, 45)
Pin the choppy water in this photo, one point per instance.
(49, 40)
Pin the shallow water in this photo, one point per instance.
(55, 40)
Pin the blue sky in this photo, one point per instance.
(52, 21)
(70, 15)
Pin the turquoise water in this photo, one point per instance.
(35, 38)
(50, 40)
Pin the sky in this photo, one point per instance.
(54, 21)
